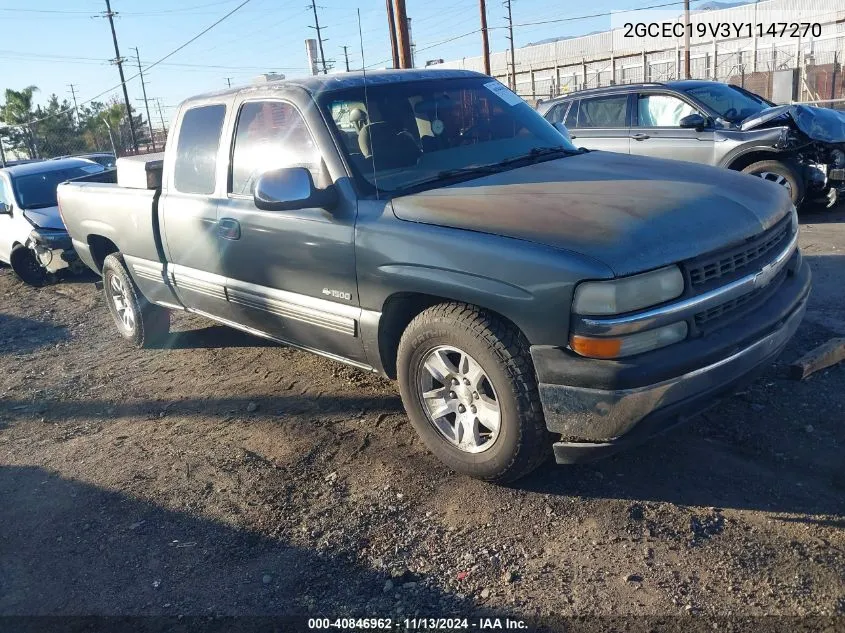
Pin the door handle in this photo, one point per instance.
(229, 229)
(639, 136)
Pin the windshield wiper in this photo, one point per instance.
(40, 205)
(492, 168)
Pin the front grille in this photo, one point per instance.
(726, 263)
(719, 315)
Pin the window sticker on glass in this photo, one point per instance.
(503, 93)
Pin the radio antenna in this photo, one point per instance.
(366, 100)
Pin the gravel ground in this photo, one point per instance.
(225, 475)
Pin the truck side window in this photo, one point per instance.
(196, 152)
(271, 135)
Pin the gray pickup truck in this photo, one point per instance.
(429, 226)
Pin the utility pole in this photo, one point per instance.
(229, 81)
(686, 40)
(485, 43)
(146, 103)
(391, 27)
(346, 56)
(160, 115)
(119, 61)
(403, 37)
(75, 107)
(512, 74)
(319, 37)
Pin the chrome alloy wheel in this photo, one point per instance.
(775, 178)
(458, 399)
(119, 295)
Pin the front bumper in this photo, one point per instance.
(53, 248)
(599, 407)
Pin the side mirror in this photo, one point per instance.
(560, 127)
(695, 121)
(291, 188)
(5, 209)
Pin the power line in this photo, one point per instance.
(162, 59)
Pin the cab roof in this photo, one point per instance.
(323, 83)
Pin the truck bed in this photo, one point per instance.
(125, 217)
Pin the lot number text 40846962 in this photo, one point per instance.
(417, 624)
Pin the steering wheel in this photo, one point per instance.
(730, 114)
(474, 133)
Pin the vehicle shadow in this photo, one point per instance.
(71, 548)
(212, 337)
(21, 335)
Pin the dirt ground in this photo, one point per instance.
(224, 475)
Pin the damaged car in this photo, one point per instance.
(33, 238)
(798, 147)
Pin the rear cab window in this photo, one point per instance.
(604, 112)
(197, 148)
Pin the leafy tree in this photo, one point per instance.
(57, 129)
(17, 116)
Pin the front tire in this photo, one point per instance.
(468, 385)
(139, 322)
(781, 173)
(27, 268)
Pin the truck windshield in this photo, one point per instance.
(404, 134)
(38, 191)
(729, 102)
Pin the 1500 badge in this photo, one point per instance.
(337, 294)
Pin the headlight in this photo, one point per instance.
(630, 344)
(630, 293)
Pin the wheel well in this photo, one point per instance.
(101, 247)
(745, 160)
(398, 311)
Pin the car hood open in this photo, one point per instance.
(819, 124)
(47, 218)
(631, 213)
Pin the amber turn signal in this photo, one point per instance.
(595, 347)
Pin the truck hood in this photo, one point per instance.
(819, 124)
(631, 213)
(47, 218)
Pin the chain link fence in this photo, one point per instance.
(55, 130)
(813, 68)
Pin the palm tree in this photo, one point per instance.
(17, 112)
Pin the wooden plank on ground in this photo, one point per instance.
(823, 356)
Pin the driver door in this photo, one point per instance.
(289, 274)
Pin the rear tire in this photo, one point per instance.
(781, 173)
(27, 268)
(140, 322)
(482, 417)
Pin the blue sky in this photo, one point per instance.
(52, 43)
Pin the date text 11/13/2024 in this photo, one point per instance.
(417, 624)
